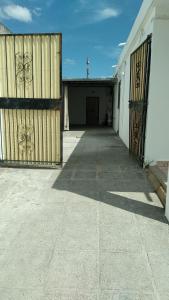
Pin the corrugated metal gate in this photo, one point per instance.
(30, 99)
(139, 86)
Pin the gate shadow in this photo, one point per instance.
(106, 173)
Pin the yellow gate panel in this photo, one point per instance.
(46, 67)
(55, 61)
(27, 82)
(139, 85)
(3, 68)
(138, 65)
(37, 63)
(31, 136)
(10, 65)
(30, 99)
(30, 66)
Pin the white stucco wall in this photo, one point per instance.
(66, 108)
(157, 138)
(77, 103)
(167, 200)
(1, 134)
(153, 19)
(116, 110)
(124, 104)
(142, 28)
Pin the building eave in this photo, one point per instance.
(91, 81)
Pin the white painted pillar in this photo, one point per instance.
(157, 143)
(167, 200)
(66, 108)
(1, 154)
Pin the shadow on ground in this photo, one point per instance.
(100, 168)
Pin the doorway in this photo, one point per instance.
(92, 111)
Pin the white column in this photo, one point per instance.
(167, 200)
(157, 143)
(66, 108)
(1, 154)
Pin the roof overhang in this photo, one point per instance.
(107, 82)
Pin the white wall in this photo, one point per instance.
(167, 200)
(157, 137)
(136, 38)
(1, 133)
(124, 103)
(142, 28)
(77, 103)
(153, 18)
(116, 110)
(66, 108)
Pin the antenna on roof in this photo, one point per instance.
(87, 68)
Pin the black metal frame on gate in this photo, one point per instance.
(140, 64)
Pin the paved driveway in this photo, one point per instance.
(91, 231)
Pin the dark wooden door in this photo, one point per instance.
(92, 111)
(139, 87)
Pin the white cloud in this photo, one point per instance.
(96, 11)
(106, 13)
(37, 11)
(112, 52)
(69, 61)
(16, 12)
(122, 44)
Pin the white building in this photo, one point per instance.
(153, 112)
(87, 102)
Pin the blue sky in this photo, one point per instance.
(90, 28)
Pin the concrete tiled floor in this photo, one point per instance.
(91, 231)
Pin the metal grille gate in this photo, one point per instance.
(30, 99)
(139, 86)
